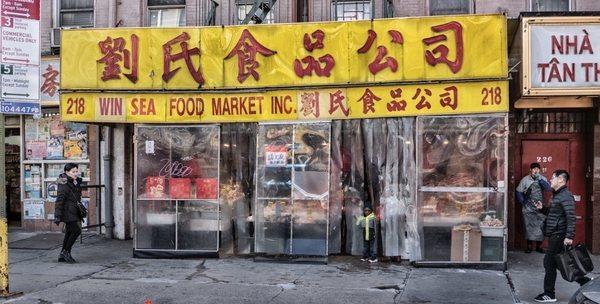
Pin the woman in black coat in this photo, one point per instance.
(67, 209)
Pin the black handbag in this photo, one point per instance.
(574, 262)
(82, 210)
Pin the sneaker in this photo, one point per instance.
(545, 298)
(373, 261)
(540, 250)
(583, 281)
(364, 260)
(62, 257)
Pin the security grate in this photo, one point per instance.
(550, 122)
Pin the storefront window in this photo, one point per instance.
(462, 187)
(292, 204)
(49, 144)
(177, 180)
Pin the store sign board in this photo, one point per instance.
(561, 56)
(19, 81)
(333, 53)
(49, 80)
(301, 105)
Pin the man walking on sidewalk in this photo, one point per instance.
(560, 230)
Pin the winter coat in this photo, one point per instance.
(561, 217)
(69, 195)
(368, 225)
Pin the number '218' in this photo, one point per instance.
(491, 96)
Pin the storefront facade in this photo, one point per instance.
(555, 116)
(245, 145)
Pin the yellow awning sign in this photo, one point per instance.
(309, 54)
(279, 105)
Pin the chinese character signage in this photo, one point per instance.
(561, 56)
(335, 53)
(49, 80)
(288, 105)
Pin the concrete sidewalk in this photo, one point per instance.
(108, 274)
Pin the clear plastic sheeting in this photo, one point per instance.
(177, 188)
(462, 187)
(336, 192)
(353, 183)
(238, 148)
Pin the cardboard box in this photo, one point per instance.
(466, 244)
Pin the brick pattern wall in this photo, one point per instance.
(596, 189)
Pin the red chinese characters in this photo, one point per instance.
(336, 101)
(368, 99)
(440, 53)
(115, 51)
(246, 50)
(50, 84)
(397, 104)
(321, 67)
(450, 97)
(423, 102)
(310, 104)
(381, 61)
(185, 54)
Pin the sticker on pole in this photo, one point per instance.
(16, 107)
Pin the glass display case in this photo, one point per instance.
(292, 189)
(462, 188)
(177, 189)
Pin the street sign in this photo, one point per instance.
(26, 9)
(20, 40)
(19, 81)
(18, 107)
(20, 57)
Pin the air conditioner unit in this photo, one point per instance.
(55, 35)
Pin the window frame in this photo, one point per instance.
(57, 12)
(250, 3)
(150, 8)
(531, 6)
(471, 8)
(336, 3)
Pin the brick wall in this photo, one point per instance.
(45, 26)
(596, 189)
(511, 7)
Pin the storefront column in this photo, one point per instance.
(122, 182)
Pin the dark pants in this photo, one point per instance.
(72, 231)
(555, 246)
(538, 244)
(369, 249)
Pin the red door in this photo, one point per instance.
(568, 154)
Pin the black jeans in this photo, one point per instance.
(369, 249)
(72, 231)
(555, 246)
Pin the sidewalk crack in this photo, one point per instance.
(511, 286)
(400, 291)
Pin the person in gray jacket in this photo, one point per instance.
(560, 231)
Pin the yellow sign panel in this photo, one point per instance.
(279, 105)
(285, 55)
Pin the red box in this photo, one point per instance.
(180, 188)
(206, 188)
(155, 187)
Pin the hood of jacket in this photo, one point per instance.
(63, 178)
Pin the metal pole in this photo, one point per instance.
(3, 220)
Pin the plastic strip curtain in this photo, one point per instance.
(238, 149)
(336, 193)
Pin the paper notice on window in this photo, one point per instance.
(149, 147)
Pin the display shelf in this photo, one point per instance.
(55, 161)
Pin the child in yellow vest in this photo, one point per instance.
(367, 224)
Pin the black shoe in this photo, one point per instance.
(540, 250)
(62, 257)
(528, 250)
(545, 298)
(70, 259)
(583, 281)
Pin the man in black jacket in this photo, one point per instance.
(560, 230)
